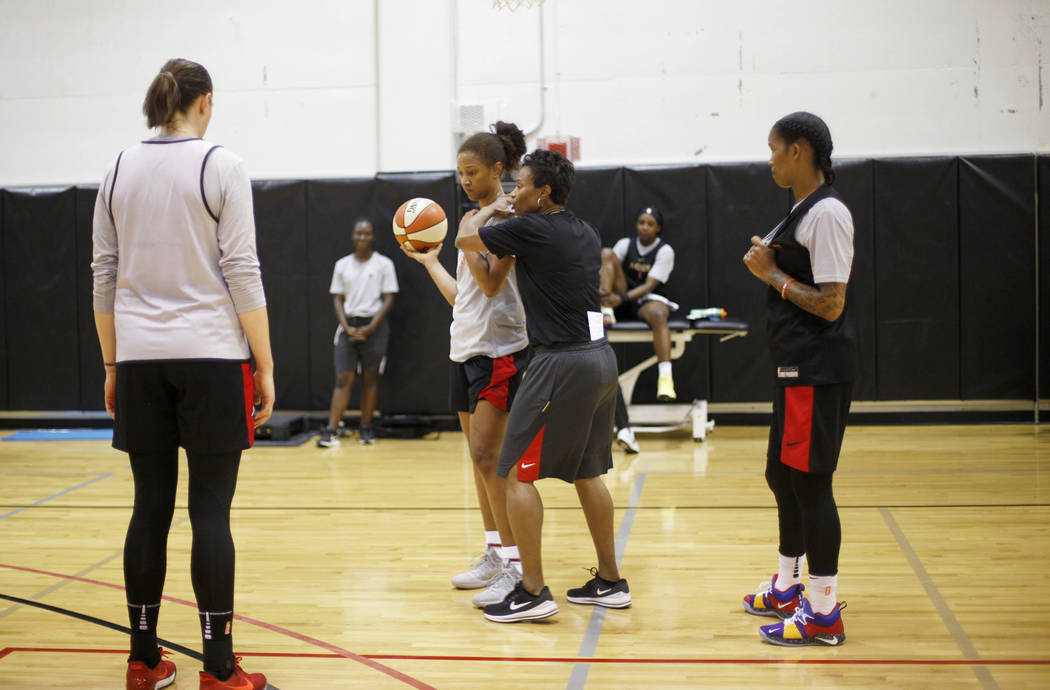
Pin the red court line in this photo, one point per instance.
(393, 673)
(592, 660)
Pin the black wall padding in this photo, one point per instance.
(40, 299)
(597, 197)
(92, 373)
(416, 378)
(280, 224)
(855, 183)
(917, 278)
(997, 267)
(742, 200)
(1044, 277)
(332, 206)
(680, 194)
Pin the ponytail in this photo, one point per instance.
(179, 83)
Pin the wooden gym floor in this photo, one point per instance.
(344, 557)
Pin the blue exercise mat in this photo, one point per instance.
(61, 435)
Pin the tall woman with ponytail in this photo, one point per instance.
(489, 351)
(180, 313)
(805, 261)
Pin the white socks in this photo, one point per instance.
(822, 590)
(663, 368)
(789, 572)
(492, 539)
(510, 555)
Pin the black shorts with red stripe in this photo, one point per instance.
(495, 379)
(205, 406)
(808, 425)
(561, 424)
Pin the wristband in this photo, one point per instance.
(625, 299)
(109, 364)
(783, 289)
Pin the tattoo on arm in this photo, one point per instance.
(826, 300)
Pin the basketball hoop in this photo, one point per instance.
(515, 4)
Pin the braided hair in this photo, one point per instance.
(803, 125)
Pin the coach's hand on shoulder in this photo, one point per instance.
(264, 396)
(503, 206)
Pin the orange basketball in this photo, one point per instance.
(420, 223)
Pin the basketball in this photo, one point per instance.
(420, 223)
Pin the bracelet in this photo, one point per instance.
(783, 290)
(625, 299)
(109, 364)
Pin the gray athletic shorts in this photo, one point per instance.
(369, 355)
(561, 424)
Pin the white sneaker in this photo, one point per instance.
(625, 439)
(485, 569)
(499, 588)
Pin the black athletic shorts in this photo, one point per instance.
(808, 425)
(366, 355)
(495, 379)
(204, 406)
(562, 420)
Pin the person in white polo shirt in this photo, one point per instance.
(363, 288)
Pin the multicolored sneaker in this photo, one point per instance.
(142, 677)
(768, 601)
(238, 681)
(520, 605)
(806, 628)
(329, 438)
(484, 570)
(597, 590)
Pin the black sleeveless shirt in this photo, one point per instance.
(807, 350)
(636, 266)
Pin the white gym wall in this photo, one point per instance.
(342, 88)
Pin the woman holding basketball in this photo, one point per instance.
(179, 309)
(489, 352)
(806, 261)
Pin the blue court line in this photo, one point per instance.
(60, 493)
(578, 679)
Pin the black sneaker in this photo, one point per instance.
(328, 439)
(519, 605)
(612, 595)
(366, 436)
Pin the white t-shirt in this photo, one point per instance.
(363, 283)
(663, 263)
(827, 232)
(482, 325)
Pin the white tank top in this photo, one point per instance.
(482, 325)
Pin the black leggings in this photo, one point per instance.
(213, 478)
(808, 516)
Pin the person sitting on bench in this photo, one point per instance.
(632, 276)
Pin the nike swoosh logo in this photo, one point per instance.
(793, 443)
(525, 467)
(604, 591)
(829, 640)
(783, 606)
(515, 607)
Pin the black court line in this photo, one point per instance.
(167, 644)
(351, 509)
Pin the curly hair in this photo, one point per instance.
(551, 168)
(504, 144)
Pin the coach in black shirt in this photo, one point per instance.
(561, 422)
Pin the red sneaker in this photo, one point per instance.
(238, 681)
(142, 677)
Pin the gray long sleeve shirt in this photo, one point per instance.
(174, 257)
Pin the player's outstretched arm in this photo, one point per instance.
(445, 283)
